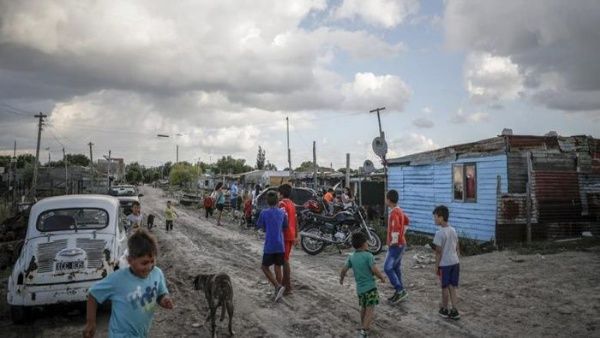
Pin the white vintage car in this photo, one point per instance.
(72, 242)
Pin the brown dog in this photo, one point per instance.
(219, 292)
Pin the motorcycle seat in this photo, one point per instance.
(329, 219)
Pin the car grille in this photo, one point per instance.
(94, 249)
(46, 253)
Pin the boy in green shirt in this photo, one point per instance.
(362, 263)
(170, 215)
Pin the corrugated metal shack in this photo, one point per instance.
(496, 187)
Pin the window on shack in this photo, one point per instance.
(72, 219)
(464, 182)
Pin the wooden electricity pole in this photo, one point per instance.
(66, 173)
(40, 118)
(315, 180)
(348, 170)
(92, 168)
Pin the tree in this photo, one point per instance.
(270, 166)
(260, 158)
(305, 166)
(228, 164)
(184, 173)
(24, 159)
(133, 173)
(78, 159)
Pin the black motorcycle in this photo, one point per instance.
(319, 231)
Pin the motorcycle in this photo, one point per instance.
(319, 231)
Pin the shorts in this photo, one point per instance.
(233, 202)
(288, 250)
(272, 259)
(449, 275)
(369, 298)
(220, 207)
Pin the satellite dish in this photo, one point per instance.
(380, 147)
(368, 167)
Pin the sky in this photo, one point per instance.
(220, 77)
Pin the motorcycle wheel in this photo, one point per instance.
(375, 245)
(312, 246)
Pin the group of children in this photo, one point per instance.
(136, 219)
(362, 263)
(137, 291)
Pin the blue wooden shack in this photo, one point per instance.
(485, 186)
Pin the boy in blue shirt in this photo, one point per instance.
(134, 292)
(362, 263)
(273, 220)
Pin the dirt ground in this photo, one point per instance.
(502, 294)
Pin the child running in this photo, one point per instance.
(362, 263)
(273, 221)
(170, 216)
(446, 261)
(134, 292)
(208, 203)
(397, 223)
(290, 235)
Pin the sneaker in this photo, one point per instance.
(454, 314)
(279, 293)
(444, 312)
(363, 333)
(399, 296)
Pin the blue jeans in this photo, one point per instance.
(392, 266)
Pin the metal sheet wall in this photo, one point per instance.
(423, 187)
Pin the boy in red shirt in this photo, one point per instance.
(290, 235)
(397, 223)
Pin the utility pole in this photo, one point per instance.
(13, 167)
(41, 118)
(49, 156)
(383, 159)
(177, 153)
(377, 110)
(289, 152)
(347, 170)
(92, 167)
(66, 172)
(315, 180)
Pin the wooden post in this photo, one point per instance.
(528, 192)
(316, 183)
(348, 170)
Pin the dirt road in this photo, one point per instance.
(502, 294)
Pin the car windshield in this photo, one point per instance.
(72, 219)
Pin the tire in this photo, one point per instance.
(375, 246)
(19, 314)
(312, 246)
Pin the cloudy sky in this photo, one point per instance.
(225, 74)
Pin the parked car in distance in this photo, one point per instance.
(126, 194)
(300, 196)
(71, 242)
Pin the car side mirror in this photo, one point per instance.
(140, 195)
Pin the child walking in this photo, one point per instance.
(273, 221)
(290, 235)
(447, 265)
(397, 223)
(170, 216)
(248, 210)
(208, 203)
(362, 263)
(134, 292)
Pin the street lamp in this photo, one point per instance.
(176, 146)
